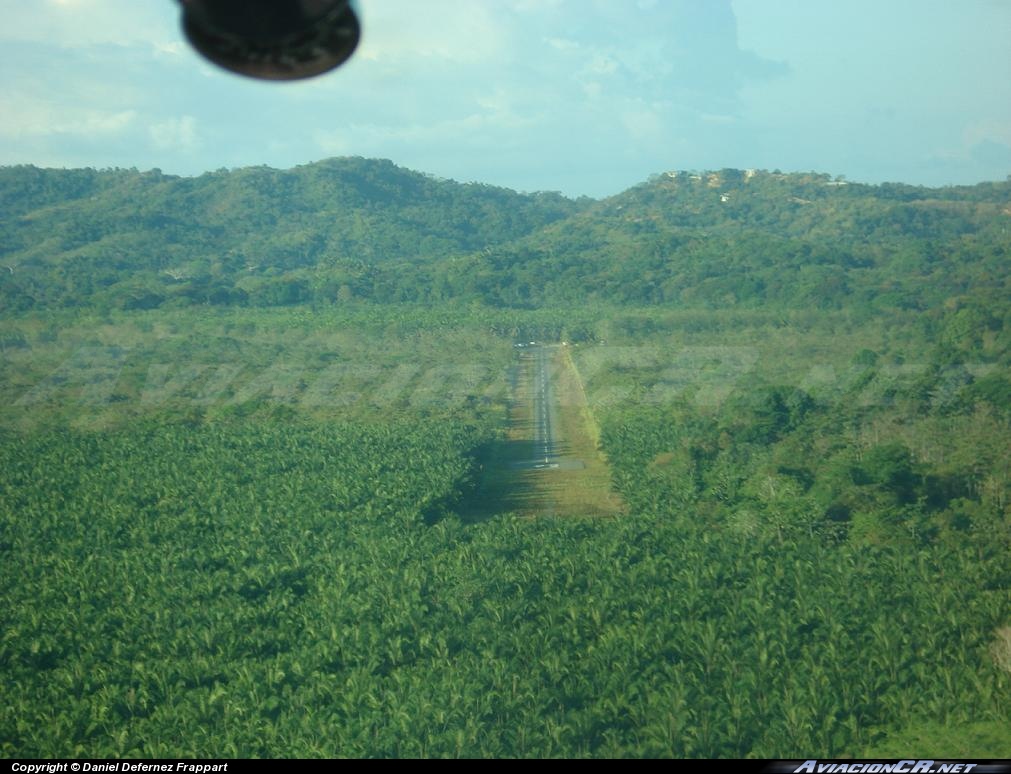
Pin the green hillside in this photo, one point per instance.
(251, 236)
(353, 228)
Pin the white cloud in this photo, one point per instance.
(333, 143)
(562, 44)
(459, 31)
(987, 130)
(601, 64)
(717, 118)
(25, 118)
(179, 134)
(94, 122)
(475, 131)
(172, 49)
(536, 6)
(81, 23)
(643, 124)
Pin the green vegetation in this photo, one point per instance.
(243, 419)
(348, 229)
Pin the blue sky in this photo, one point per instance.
(581, 96)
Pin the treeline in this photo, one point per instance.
(127, 239)
(353, 229)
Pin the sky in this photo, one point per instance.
(586, 97)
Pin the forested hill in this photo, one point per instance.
(757, 239)
(254, 235)
(353, 228)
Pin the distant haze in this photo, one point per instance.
(581, 96)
